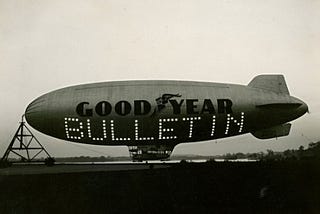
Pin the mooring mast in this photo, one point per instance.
(24, 141)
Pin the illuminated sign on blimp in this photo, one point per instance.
(151, 117)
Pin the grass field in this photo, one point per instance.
(219, 187)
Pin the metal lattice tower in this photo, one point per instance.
(24, 144)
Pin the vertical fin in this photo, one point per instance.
(273, 132)
(274, 83)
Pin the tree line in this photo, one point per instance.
(312, 152)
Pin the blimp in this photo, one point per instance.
(151, 117)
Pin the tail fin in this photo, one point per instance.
(275, 83)
(273, 132)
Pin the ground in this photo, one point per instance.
(218, 187)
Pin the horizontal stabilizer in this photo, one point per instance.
(279, 106)
(274, 83)
(273, 132)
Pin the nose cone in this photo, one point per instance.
(35, 112)
(35, 106)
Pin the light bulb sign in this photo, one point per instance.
(152, 116)
(189, 119)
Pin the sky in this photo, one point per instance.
(46, 45)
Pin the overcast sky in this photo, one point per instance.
(46, 45)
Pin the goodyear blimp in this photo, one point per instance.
(152, 116)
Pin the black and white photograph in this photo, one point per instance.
(149, 106)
